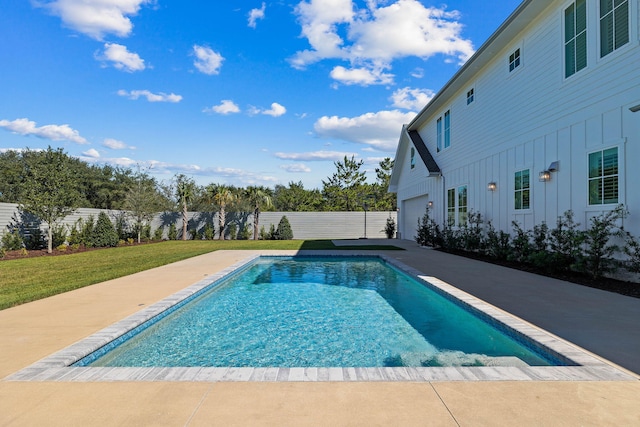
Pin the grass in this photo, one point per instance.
(30, 279)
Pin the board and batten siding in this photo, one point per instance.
(305, 225)
(534, 116)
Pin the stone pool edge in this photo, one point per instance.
(57, 366)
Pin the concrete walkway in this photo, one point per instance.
(35, 330)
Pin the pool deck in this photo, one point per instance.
(601, 322)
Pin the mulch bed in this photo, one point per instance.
(9, 255)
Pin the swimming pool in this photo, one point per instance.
(59, 367)
(319, 312)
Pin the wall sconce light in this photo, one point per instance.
(544, 176)
(492, 186)
(554, 166)
(430, 204)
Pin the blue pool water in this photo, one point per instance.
(314, 311)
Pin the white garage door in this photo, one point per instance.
(411, 211)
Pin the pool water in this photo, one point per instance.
(320, 312)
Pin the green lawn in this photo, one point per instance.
(30, 279)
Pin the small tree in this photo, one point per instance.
(632, 249)
(185, 191)
(258, 198)
(143, 201)
(50, 189)
(104, 233)
(284, 231)
(390, 228)
(598, 251)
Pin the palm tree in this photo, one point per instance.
(257, 197)
(222, 195)
(185, 190)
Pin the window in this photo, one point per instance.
(514, 60)
(439, 134)
(457, 208)
(575, 37)
(522, 190)
(614, 25)
(603, 177)
(470, 96)
(447, 129)
(413, 157)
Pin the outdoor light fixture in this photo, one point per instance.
(635, 108)
(430, 204)
(544, 176)
(554, 166)
(492, 186)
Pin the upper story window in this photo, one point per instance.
(614, 25)
(470, 96)
(413, 157)
(447, 129)
(522, 189)
(575, 37)
(514, 60)
(603, 177)
(439, 134)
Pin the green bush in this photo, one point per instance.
(390, 228)
(598, 253)
(471, 233)
(284, 231)
(245, 232)
(233, 231)
(104, 233)
(12, 241)
(520, 244)
(632, 249)
(35, 240)
(157, 235)
(58, 235)
(428, 231)
(566, 244)
(209, 232)
(173, 232)
(498, 243)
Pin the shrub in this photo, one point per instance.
(35, 240)
(272, 232)
(598, 252)
(86, 232)
(263, 235)
(3, 252)
(498, 243)
(428, 231)
(24, 252)
(390, 228)
(471, 233)
(245, 232)
(284, 231)
(233, 231)
(173, 232)
(565, 242)
(209, 232)
(632, 249)
(58, 235)
(12, 241)
(157, 235)
(62, 247)
(521, 247)
(104, 233)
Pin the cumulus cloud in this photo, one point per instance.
(97, 18)
(53, 132)
(227, 106)
(379, 130)
(296, 168)
(114, 144)
(371, 38)
(207, 61)
(92, 152)
(151, 97)
(276, 110)
(412, 99)
(256, 14)
(121, 58)
(315, 156)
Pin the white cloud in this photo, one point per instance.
(418, 73)
(53, 132)
(121, 58)
(276, 110)
(92, 152)
(371, 38)
(379, 130)
(207, 61)
(227, 106)
(151, 97)
(361, 76)
(256, 14)
(96, 18)
(412, 99)
(296, 168)
(114, 144)
(315, 156)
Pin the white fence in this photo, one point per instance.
(305, 225)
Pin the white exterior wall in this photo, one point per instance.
(533, 116)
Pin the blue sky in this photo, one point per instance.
(241, 92)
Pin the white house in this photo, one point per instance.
(544, 118)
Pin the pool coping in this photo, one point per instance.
(56, 367)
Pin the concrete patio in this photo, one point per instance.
(603, 323)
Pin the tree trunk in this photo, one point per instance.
(221, 220)
(184, 221)
(256, 217)
(50, 237)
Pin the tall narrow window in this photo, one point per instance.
(462, 205)
(470, 96)
(603, 177)
(575, 37)
(514, 60)
(451, 206)
(522, 190)
(439, 134)
(447, 129)
(413, 157)
(614, 25)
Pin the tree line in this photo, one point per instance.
(51, 184)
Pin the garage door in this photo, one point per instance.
(410, 211)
